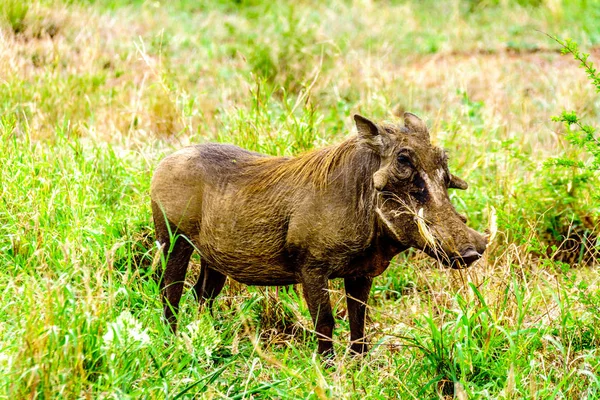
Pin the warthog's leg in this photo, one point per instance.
(314, 286)
(209, 285)
(178, 256)
(357, 294)
(174, 276)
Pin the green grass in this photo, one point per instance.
(94, 93)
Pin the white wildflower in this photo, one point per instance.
(200, 337)
(126, 329)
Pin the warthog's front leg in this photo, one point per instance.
(357, 294)
(315, 288)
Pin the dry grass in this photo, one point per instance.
(124, 75)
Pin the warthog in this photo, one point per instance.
(342, 211)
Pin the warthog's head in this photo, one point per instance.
(412, 192)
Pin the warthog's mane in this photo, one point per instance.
(320, 168)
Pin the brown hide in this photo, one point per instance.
(341, 211)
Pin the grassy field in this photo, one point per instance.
(94, 93)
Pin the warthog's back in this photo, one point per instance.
(180, 180)
(210, 193)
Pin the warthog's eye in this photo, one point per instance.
(404, 159)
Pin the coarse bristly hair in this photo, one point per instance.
(318, 168)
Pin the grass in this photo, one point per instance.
(94, 93)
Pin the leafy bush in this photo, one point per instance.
(578, 134)
(575, 174)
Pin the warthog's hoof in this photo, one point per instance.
(328, 359)
(358, 348)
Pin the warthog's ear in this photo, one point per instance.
(415, 124)
(368, 133)
(457, 183)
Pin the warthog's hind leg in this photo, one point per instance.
(174, 277)
(209, 285)
(177, 251)
(357, 294)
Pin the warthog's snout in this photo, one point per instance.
(471, 252)
(466, 258)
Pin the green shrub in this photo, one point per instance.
(13, 13)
